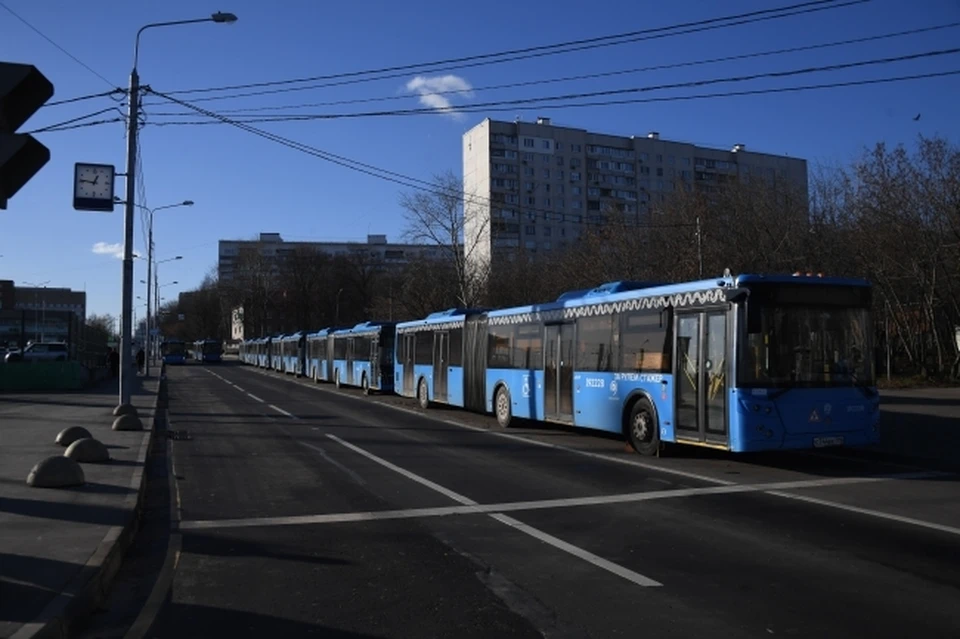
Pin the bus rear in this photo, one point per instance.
(804, 370)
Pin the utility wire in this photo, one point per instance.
(593, 76)
(81, 98)
(528, 52)
(545, 100)
(58, 125)
(50, 40)
(387, 175)
(71, 127)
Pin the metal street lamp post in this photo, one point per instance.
(133, 100)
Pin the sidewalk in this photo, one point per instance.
(59, 548)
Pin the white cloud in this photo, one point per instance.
(102, 248)
(435, 92)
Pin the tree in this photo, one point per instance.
(447, 217)
(105, 324)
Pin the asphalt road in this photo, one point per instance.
(307, 511)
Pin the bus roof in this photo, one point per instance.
(800, 278)
(442, 317)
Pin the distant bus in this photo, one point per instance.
(742, 364)
(429, 360)
(208, 350)
(318, 356)
(291, 354)
(363, 356)
(173, 351)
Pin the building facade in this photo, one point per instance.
(536, 186)
(40, 314)
(272, 247)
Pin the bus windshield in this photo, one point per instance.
(806, 344)
(212, 346)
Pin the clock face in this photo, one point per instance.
(94, 181)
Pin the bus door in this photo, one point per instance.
(331, 353)
(558, 355)
(700, 367)
(441, 359)
(409, 354)
(374, 359)
(349, 357)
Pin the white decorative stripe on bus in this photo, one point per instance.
(694, 298)
(432, 326)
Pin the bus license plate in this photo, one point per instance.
(823, 442)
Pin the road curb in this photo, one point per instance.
(90, 586)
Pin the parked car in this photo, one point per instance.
(38, 351)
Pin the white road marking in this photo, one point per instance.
(872, 513)
(283, 412)
(630, 462)
(254, 397)
(238, 388)
(585, 555)
(470, 507)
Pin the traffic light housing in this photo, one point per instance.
(23, 90)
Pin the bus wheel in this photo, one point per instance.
(501, 406)
(642, 429)
(423, 399)
(364, 384)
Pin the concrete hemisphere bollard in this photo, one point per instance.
(125, 409)
(71, 434)
(127, 422)
(56, 472)
(88, 451)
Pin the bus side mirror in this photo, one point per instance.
(737, 294)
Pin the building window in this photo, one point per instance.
(558, 174)
(574, 176)
(546, 187)
(530, 229)
(512, 198)
(576, 190)
(531, 201)
(685, 161)
(545, 144)
(576, 148)
(528, 171)
(558, 146)
(529, 186)
(546, 174)
(529, 157)
(546, 202)
(576, 204)
(530, 245)
(560, 203)
(560, 187)
(510, 154)
(547, 231)
(659, 157)
(671, 160)
(528, 143)
(644, 156)
(559, 160)
(659, 171)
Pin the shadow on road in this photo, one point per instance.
(28, 583)
(190, 620)
(222, 545)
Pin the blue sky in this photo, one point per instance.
(243, 185)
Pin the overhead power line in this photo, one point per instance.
(65, 123)
(530, 52)
(90, 96)
(606, 74)
(51, 41)
(81, 125)
(546, 100)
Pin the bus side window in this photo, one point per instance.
(644, 342)
(596, 347)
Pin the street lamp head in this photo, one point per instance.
(223, 18)
(174, 282)
(187, 203)
(179, 257)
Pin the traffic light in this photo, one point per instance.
(23, 90)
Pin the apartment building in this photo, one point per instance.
(272, 247)
(536, 186)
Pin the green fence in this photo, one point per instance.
(30, 376)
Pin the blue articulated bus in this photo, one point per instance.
(275, 361)
(430, 360)
(173, 351)
(745, 363)
(208, 350)
(292, 350)
(364, 356)
(742, 364)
